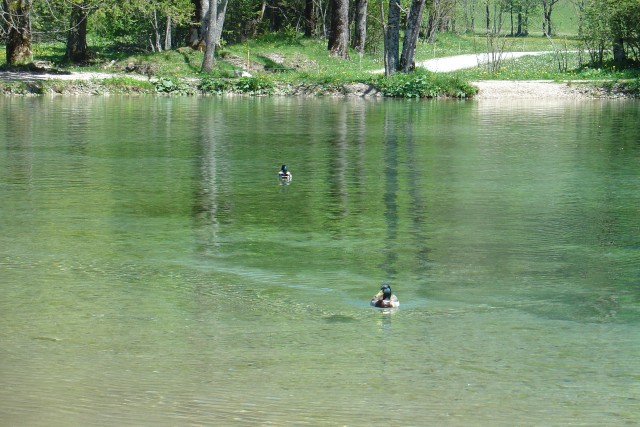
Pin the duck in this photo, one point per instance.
(385, 298)
(284, 175)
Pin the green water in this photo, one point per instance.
(153, 271)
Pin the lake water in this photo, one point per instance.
(153, 271)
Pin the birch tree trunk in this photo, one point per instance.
(167, 34)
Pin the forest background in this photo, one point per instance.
(254, 45)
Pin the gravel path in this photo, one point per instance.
(33, 76)
(460, 62)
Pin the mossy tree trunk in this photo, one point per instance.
(17, 16)
(77, 50)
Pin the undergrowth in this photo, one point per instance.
(424, 84)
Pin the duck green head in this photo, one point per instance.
(386, 291)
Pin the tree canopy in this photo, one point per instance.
(156, 25)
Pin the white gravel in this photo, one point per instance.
(530, 89)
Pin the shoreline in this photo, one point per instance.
(92, 83)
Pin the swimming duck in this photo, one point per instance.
(385, 298)
(284, 175)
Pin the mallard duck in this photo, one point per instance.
(385, 298)
(284, 175)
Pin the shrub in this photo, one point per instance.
(176, 87)
(214, 85)
(424, 84)
(254, 85)
(250, 85)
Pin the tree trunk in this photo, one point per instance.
(196, 36)
(309, 18)
(547, 6)
(392, 38)
(17, 19)
(156, 45)
(339, 34)
(433, 21)
(220, 15)
(360, 37)
(77, 37)
(200, 22)
(619, 55)
(210, 46)
(523, 30)
(167, 34)
(511, 18)
(487, 14)
(254, 24)
(407, 60)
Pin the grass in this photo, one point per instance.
(546, 67)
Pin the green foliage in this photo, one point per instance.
(254, 85)
(246, 19)
(137, 23)
(424, 84)
(627, 87)
(174, 87)
(632, 87)
(21, 88)
(260, 85)
(608, 20)
(215, 85)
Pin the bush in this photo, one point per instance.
(175, 87)
(214, 85)
(250, 85)
(424, 84)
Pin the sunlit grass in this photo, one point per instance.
(449, 44)
(307, 56)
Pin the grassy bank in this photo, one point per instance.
(291, 65)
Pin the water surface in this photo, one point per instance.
(154, 272)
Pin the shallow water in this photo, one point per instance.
(154, 272)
